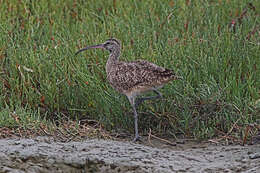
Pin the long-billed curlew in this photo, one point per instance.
(133, 78)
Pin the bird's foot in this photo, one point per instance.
(137, 138)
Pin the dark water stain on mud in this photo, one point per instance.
(42, 154)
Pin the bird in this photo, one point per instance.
(133, 78)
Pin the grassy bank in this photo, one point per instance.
(214, 45)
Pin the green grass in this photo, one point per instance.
(42, 78)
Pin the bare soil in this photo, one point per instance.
(44, 154)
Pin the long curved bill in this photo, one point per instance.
(90, 47)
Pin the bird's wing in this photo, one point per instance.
(127, 75)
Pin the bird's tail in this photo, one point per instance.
(171, 74)
(176, 77)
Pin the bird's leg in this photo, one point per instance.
(142, 99)
(132, 102)
(137, 137)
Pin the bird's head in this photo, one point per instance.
(111, 45)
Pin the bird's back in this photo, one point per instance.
(137, 76)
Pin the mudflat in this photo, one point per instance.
(44, 154)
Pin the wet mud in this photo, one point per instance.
(43, 154)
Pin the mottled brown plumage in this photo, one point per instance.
(130, 77)
(133, 78)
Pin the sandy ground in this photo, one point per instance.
(43, 154)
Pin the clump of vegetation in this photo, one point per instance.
(213, 45)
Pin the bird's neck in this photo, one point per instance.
(114, 55)
(113, 59)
